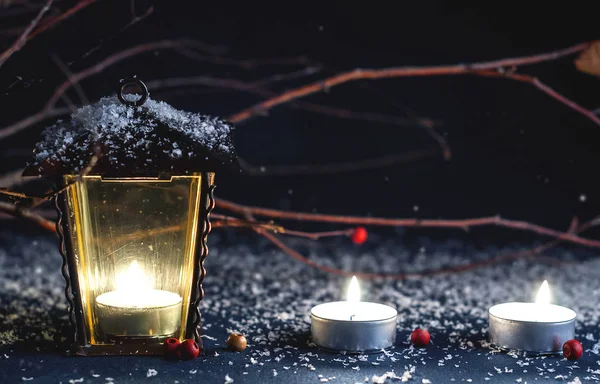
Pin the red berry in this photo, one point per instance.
(420, 337)
(188, 349)
(572, 349)
(360, 235)
(170, 345)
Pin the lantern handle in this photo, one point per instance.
(123, 83)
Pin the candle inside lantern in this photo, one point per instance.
(136, 309)
(353, 325)
(539, 327)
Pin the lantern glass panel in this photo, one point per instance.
(134, 242)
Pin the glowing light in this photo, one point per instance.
(354, 291)
(133, 280)
(543, 296)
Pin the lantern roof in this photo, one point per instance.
(134, 136)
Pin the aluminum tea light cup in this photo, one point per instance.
(136, 309)
(353, 326)
(538, 328)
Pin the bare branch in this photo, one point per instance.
(48, 109)
(134, 21)
(421, 223)
(265, 230)
(53, 21)
(228, 221)
(11, 178)
(20, 43)
(69, 75)
(339, 167)
(544, 88)
(253, 88)
(26, 214)
(386, 73)
(499, 259)
(247, 64)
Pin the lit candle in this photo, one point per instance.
(538, 327)
(136, 309)
(353, 325)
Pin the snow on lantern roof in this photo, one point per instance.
(136, 136)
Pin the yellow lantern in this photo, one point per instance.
(138, 180)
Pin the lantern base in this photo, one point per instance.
(130, 346)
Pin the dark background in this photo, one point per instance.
(515, 151)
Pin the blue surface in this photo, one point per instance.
(255, 289)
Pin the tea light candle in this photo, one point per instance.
(135, 309)
(538, 327)
(353, 326)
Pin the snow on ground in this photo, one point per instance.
(253, 288)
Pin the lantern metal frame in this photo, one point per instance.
(203, 163)
(133, 346)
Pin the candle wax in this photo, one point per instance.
(354, 311)
(152, 298)
(532, 312)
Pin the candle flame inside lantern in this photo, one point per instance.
(354, 291)
(133, 280)
(543, 296)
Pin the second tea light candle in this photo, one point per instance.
(539, 328)
(353, 326)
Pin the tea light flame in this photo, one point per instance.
(133, 280)
(543, 296)
(353, 291)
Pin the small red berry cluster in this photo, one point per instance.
(187, 349)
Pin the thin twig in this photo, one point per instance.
(339, 167)
(318, 235)
(228, 221)
(20, 195)
(53, 21)
(499, 259)
(48, 109)
(11, 178)
(380, 161)
(256, 89)
(20, 43)
(423, 223)
(26, 214)
(69, 75)
(247, 64)
(544, 88)
(134, 21)
(386, 73)
(396, 276)
(31, 120)
(296, 255)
